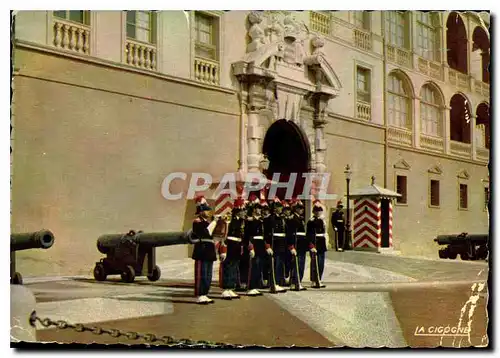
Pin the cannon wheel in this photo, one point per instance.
(128, 275)
(155, 274)
(452, 255)
(465, 256)
(100, 272)
(442, 254)
(17, 279)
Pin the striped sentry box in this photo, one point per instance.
(367, 223)
(224, 203)
(390, 223)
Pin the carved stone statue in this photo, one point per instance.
(275, 28)
(255, 31)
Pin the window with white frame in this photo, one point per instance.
(399, 102)
(395, 28)
(206, 35)
(360, 19)
(80, 16)
(427, 35)
(430, 111)
(141, 26)
(363, 84)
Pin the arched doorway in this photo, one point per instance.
(460, 117)
(483, 119)
(287, 149)
(482, 44)
(456, 40)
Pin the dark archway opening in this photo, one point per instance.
(459, 119)
(456, 39)
(482, 43)
(288, 151)
(483, 117)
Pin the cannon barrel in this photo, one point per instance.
(110, 241)
(456, 238)
(43, 239)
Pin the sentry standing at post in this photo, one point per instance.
(204, 250)
(316, 232)
(254, 238)
(231, 251)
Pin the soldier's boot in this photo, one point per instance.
(226, 295)
(233, 294)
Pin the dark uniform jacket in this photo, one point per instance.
(338, 220)
(235, 238)
(279, 242)
(267, 222)
(291, 231)
(204, 245)
(254, 234)
(302, 243)
(316, 233)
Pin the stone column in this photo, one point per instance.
(473, 140)
(319, 122)
(416, 122)
(447, 129)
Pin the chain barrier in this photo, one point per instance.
(116, 333)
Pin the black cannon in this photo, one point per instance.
(42, 239)
(469, 247)
(133, 254)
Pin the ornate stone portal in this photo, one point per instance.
(283, 72)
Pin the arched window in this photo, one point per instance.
(399, 114)
(482, 45)
(431, 111)
(396, 28)
(460, 117)
(483, 125)
(427, 35)
(456, 40)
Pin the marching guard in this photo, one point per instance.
(204, 250)
(278, 248)
(316, 232)
(254, 238)
(267, 225)
(299, 244)
(231, 250)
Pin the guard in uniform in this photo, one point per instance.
(204, 253)
(290, 232)
(301, 244)
(338, 223)
(278, 246)
(230, 255)
(316, 233)
(254, 238)
(268, 240)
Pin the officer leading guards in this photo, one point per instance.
(204, 250)
(316, 232)
(279, 247)
(254, 238)
(301, 244)
(230, 255)
(338, 223)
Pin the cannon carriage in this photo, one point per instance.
(43, 239)
(469, 247)
(134, 254)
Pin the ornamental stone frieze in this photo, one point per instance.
(285, 70)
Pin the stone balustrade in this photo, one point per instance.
(398, 55)
(401, 136)
(362, 39)
(460, 149)
(430, 68)
(458, 79)
(141, 55)
(482, 88)
(320, 22)
(206, 71)
(431, 142)
(363, 110)
(71, 36)
(482, 154)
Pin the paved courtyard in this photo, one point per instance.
(371, 300)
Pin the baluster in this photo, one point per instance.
(136, 58)
(86, 40)
(72, 39)
(147, 55)
(128, 49)
(141, 56)
(79, 43)
(57, 34)
(153, 59)
(65, 41)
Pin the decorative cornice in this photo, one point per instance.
(402, 164)
(463, 174)
(436, 169)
